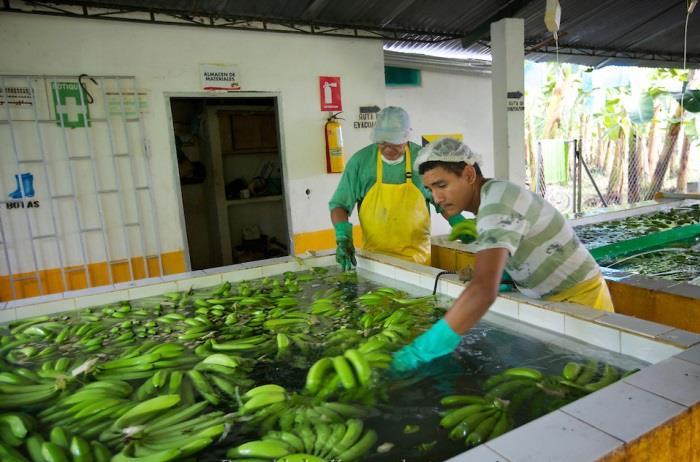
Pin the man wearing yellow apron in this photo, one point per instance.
(517, 231)
(392, 202)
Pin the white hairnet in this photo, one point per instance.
(393, 126)
(446, 150)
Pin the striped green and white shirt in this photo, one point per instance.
(545, 255)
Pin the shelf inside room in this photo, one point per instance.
(255, 200)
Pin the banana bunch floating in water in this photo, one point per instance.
(349, 371)
(480, 418)
(91, 409)
(476, 419)
(346, 441)
(270, 406)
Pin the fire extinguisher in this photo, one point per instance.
(335, 159)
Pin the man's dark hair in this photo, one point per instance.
(454, 167)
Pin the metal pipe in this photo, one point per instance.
(20, 186)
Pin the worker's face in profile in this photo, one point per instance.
(392, 151)
(453, 192)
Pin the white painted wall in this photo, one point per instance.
(450, 102)
(165, 59)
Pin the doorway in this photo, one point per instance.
(231, 179)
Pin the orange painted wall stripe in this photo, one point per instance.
(173, 262)
(323, 239)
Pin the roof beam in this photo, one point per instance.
(400, 8)
(649, 57)
(507, 11)
(314, 9)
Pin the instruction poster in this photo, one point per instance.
(17, 96)
(127, 104)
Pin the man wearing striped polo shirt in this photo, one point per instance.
(517, 231)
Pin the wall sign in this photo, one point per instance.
(366, 117)
(132, 106)
(70, 105)
(515, 101)
(425, 139)
(219, 77)
(24, 184)
(330, 93)
(18, 96)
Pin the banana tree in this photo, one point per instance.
(686, 100)
(640, 109)
(616, 122)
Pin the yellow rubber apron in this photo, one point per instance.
(592, 292)
(395, 219)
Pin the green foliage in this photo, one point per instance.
(690, 100)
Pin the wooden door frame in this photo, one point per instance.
(202, 95)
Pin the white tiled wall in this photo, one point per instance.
(604, 337)
(541, 317)
(646, 349)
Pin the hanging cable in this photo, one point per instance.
(691, 7)
(437, 279)
(88, 96)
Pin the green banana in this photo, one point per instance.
(175, 416)
(60, 437)
(143, 411)
(80, 450)
(462, 429)
(270, 449)
(360, 448)
(504, 389)
(354, 428)
(289, 438)
(454, 417)
(501, 426)
(609, 376)
(571, 371)
(203, 387)
(307, 436)
(455, 400)
(260, 400)
(337, 432)
(342, 368)
(52, 452)
(221, 360)
(481, 432)
(588, 372)
(524, 372)
(162, 456)
(315, 376)
(33, 447)
(360, 364)
(300, 457)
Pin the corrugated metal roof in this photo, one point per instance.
(592, 32)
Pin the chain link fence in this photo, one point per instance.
(579, 175)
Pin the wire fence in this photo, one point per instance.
(576, 175)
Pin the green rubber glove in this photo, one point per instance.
(345, 251)
(462, 229)
(439, 340)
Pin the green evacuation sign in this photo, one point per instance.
(70, 105)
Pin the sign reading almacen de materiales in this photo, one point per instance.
(219, 77)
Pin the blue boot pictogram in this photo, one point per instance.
(17, 193)
(28, 184)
